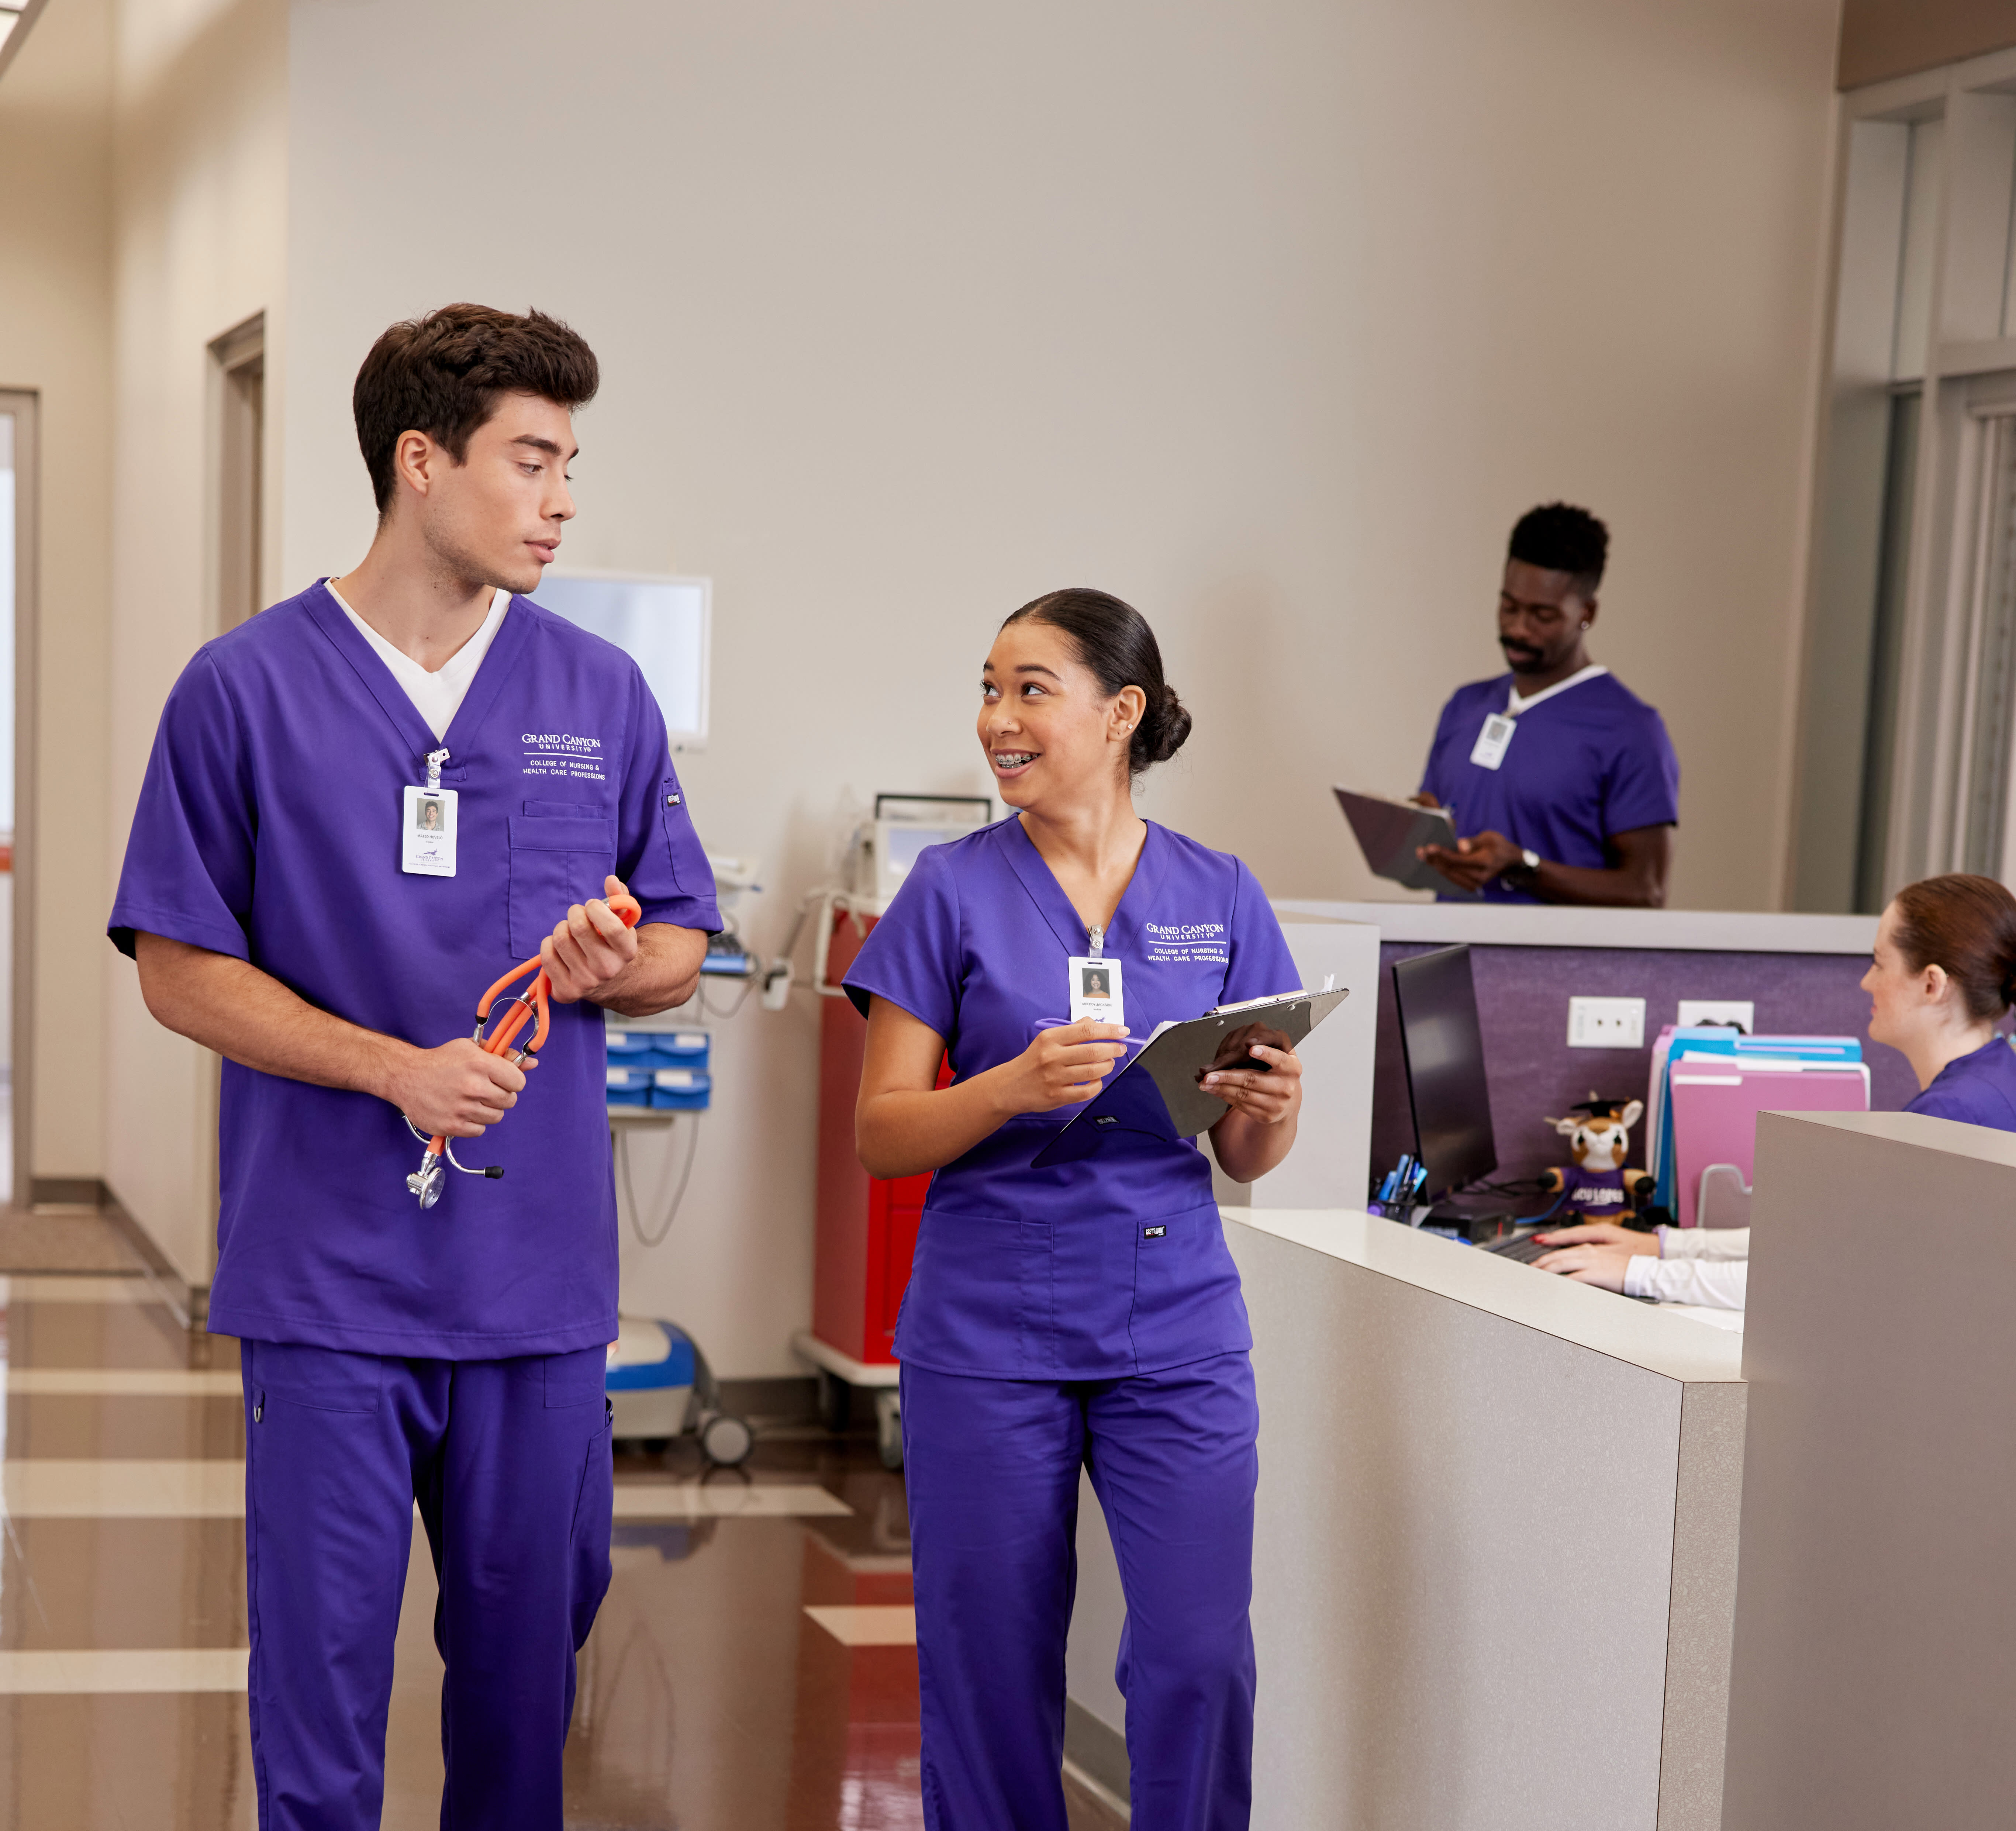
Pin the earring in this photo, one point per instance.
(1585, 623)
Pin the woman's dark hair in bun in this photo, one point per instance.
(1113, 641)
(1967, 925)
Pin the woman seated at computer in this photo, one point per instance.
(1943, 978)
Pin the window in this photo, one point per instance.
(1907, 738)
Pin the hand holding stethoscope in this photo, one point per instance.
(595, 943)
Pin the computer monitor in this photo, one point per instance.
(1443, 1047)
(661, 623)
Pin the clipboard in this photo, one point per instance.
(1388, 832)
(1157, 1095)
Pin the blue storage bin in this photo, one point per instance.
(629, 1087)
(680, 1090)
(681, 1048)
(629, 1048)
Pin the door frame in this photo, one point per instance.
(25, 405)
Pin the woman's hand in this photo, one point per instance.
(1255, 1135)
(1601, 1233)
(904, 1123)
(1599, 1264)
(1065, 1066)
(1266, 1097)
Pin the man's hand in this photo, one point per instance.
(589, 949)
(456, 1090)
(1475, 861)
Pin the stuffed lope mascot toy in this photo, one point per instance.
(1597, 1187)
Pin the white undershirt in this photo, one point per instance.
(1707, 1266)
(436, 696)
(1514, 705)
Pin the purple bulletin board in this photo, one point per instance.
(1522, 1001)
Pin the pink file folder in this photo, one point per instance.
(1715, 1107)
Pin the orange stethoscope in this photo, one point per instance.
(534, 1002)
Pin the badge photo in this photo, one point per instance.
(426, 832)
(1096, 990)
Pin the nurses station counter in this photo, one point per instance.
(1498, 1517)
(1495, 1555)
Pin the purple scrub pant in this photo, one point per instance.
(991, 1466)
(509, 1461)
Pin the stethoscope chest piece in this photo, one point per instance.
(426, 1182)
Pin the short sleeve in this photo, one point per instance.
(658, 854)
(913, 955)
(1645, 786)
(1261, 965)
(188, 869)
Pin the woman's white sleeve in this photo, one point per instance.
(1716, 1284)
(1703, 1243)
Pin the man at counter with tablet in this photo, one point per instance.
(1561, 781)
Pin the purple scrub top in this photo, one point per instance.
(1590, 763)
(268, 828)
(1117, 1264)
(1978, 1088)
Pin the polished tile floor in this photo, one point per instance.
(753, 1668)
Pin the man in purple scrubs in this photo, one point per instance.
(291, 906)
(1561, 782)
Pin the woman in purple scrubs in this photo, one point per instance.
(1941, 979)
(1088, 1314)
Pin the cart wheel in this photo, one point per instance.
(834, 1395)
(889, 1427)
(726, 1440)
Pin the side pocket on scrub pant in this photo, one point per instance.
(323, 1380)
(594, 1523)
(555, 862)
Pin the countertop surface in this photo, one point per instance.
(1649, 1335)
(1532, 925)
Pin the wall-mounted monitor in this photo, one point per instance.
(663, 623)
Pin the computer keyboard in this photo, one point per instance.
(1525, 1251)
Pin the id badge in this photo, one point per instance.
(426, 832)
(1095, 990)
(1493, 741)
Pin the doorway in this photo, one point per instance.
(238, 368)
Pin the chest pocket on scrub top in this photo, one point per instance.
(556, 861)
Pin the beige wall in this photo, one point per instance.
(1881, 38)
(1271, 318)
(56, 336)
(200, 219)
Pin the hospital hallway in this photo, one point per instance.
(752, 1668)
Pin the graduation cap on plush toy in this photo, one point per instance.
(1597, 1107)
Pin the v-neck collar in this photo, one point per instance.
(383, 686)
(1054, 907)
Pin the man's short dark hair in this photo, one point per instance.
(1558, 537)
(441, 375)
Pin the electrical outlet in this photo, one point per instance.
(1740, 1010)
(1606, 1024)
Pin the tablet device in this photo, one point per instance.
(1389, 831)
(1157, 1095)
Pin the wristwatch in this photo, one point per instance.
(1529, 863)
